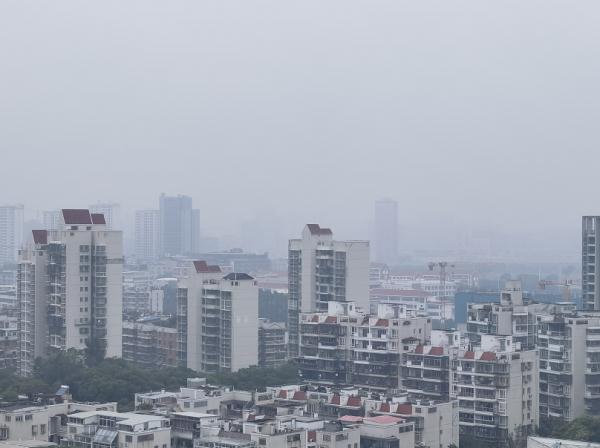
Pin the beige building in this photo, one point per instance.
(217, 320)
(322, 270)
(69, 289)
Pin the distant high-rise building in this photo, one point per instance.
(11, 232)
(111, 212)
(386, 231)
(51, 219)
(590, 262)
(147, 234)
(179, 225)
(321, 270)
(217, 320)
(69, 289)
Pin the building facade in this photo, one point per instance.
(147, 235)
(11, 232)
(69, 289)
(217, 320)
(590, 269)
(322, 270)
(179, 225)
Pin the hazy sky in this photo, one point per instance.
(469, 113)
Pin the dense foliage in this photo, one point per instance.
(118, 380)
(586, 429)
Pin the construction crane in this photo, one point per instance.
(565, 284)
(442, 266)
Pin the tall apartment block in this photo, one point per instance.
(179, 225)
(11, 232)
(69, 289)
(322, 270)
(590, 270)
(497, 389)
(111, 212)
(147, 234)
(272, 343)
(386, 231)
(217, 320)
(51, 219)
(569, 351)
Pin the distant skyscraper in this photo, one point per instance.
(111, 212)
(70, 289)
(321, 270)
(11, 232)
(51, 219)
(147, 234)
(179, 225)
(386, 231)
(590, 262)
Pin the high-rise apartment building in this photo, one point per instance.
(69, 289)
(322, 270)
(590, 267)
(386, 231)
(111, 212)
(179, 225)
(497, 389)
(217, 320)
(11, 232)
(147, 234)
(51, 219)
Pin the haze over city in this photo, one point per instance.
(478, 118)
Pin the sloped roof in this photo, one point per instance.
(202, 267)
(383, 420)
(299, 395)
(354, 401)
(488, 356)
(385, 407)
(40, 236)
(238, 276)
(98, 218)
(316, 229)
(436, 351)
(469, 355)
(76, 216)
(404, 409)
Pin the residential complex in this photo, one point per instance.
(150, 345)
(272, 343)
(11, 232)
(69, 289)
(217, 320)
(322, 270)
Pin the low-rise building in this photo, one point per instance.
(117, 429)
(272, 343)
(150, 345)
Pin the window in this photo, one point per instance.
(34, 430)
(19, 418)
(3, 433)
(42, 429)
(7, 418)
(128, 438)
(262, 441)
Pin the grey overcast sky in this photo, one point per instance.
(469, 113)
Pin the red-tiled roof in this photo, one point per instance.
(202, 267)
(251, 417)
(98, 218)
(299, 395)
(282, 394)
(76, 216)
(385, 407)
(40, 236)
(315, 318)
(488, 356)
(354, 401)
(436, 351)
(382, 323)
(331, 320)
(312, 436)
(351, 419)
(335, 399)
(419, 350)
(404, 409)
(316, 229)
(469, 355)
(383, 419)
